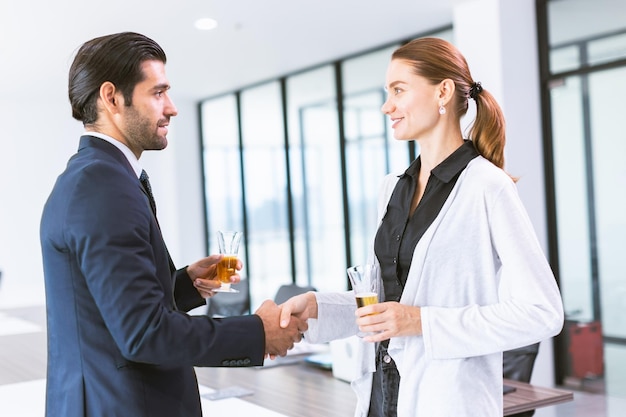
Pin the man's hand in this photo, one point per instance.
(203, 273)
(278, 340)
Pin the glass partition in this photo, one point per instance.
(572, 197)
(587, 47)
(585, 32)
(609, 179)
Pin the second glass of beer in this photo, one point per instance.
(365, 280)
(228, 242)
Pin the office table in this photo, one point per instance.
(302, 390)
(295, 390)
(529, 397)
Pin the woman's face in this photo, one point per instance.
(412, 102)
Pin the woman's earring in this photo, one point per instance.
(442, 110)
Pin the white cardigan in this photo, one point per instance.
(484, 286)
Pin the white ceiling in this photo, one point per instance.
(256, 39)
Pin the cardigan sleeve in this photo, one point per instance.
(335, 317)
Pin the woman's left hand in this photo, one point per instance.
(389, 319)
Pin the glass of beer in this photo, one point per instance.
(228, 242)
(365, 280)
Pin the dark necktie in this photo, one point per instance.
(145, 182)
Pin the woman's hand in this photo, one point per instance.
(389, 319)
(203, 273)
(303, 306)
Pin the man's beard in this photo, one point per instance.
(142, 132)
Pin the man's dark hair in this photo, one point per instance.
(116, 58)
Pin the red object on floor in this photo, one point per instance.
(585, 349)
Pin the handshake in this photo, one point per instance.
(285, 324)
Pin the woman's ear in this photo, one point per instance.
(446, 91)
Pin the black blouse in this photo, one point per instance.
(399, 233)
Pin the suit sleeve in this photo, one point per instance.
(186, 295)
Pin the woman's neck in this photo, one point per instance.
(434, 151)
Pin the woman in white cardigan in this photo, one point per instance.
(464, 277)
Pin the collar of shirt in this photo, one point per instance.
(132, 159)
(450, 166)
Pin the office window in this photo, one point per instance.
(222, 167)
(370, 149)
(265, 179)
(315, 162)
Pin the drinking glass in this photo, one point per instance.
(365, 280)
(228, 242)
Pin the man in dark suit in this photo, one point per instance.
(119, 340)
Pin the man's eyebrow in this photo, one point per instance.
(163, 86)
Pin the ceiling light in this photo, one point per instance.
(206, 23)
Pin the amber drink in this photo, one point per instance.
(226, 269)
(228, 242)
(366, 299)
(365, 281)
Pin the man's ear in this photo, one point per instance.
(110, 98)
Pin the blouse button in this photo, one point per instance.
(395, 260)
(397, 238)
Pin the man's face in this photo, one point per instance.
(144, 123)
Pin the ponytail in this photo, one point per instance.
(488, 130)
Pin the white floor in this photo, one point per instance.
(24, 399)
(27, 399)
(13, 325)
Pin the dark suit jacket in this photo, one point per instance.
(118, 345)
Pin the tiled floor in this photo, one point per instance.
(23, 362)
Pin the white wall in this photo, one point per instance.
(37, 137)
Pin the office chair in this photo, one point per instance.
(517, 364)
(287, 291)
(231, 304)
